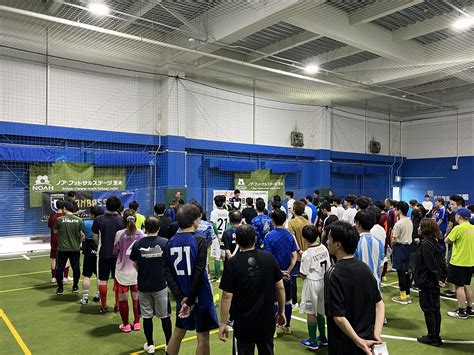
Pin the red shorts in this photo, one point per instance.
(54, 246)
(124, 289)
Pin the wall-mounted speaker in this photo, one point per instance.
(374, 147)
(297, 139)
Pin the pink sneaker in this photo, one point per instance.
(136, 326)
(125, 328)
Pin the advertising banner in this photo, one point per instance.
(261, 180)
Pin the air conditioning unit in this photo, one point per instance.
(297, 139)
(374, 147)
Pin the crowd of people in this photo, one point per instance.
(339, 247)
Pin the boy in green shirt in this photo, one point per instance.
(70, 230)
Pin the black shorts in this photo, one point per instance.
(287, 286)
(106, 268)
(89, 265)
(459, 275)
(242, 347)
(201, 319)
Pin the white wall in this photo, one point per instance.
(353, 129)
(436, 135)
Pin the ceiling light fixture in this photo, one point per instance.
(311, 68)
(463, 23)
(99, 8)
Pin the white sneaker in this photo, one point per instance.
(295, 306)
(66, 280)
(53, 280)
(149, 349)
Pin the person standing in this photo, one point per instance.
(338, 209)
(187, 278)
(162, 219)
(149, 260)
(316, 197)
(350, 211)
(401, 238)
(314, 209)
(290, 202)
(104, 229)
(229, 237)
(262, 223)
(427, 204)
(235, 201)
(53, 253)
(353, 304)
(282, 245)
(70, 231)
(430, 274)
(220, 220)
(140, 219)
(461, 265)
(250, 282)
(249, 212)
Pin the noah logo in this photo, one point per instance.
(42, 184)
(241, 182)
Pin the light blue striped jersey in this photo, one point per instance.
(370, 250)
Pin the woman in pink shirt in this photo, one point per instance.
(125, 273)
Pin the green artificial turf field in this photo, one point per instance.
(49, 324)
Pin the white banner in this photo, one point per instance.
(243, 195)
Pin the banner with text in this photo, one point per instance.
(63, 177)
(84, 199)
(243, 195)
(261, 180)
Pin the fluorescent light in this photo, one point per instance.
(311, 68)
(99, 8)
(463, 23)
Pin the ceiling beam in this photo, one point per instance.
(283, 45)
(427, 26)
(147, 7)
(379, 9)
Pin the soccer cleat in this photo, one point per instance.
(428, 340)
(116, 309)
(295, 306)
(385, 321)
(400, 300)
(384, 279)
(214, 279)
(136, 326)
(322, 341)
(286, 330)
(75, 289)
(150, 349)
(309, 345)
(470, 313)
(66, 280)
(59, 291)
(275, 335)
(103, 310)
(96, 298)
(457, 314)
(449, 294)
(125, 328)
(84, 301)
(409, 299)
(53, 280)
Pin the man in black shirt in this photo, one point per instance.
(235, 202)
(163, 221)
(249, 212)
(249, 283)
(148, 258)
(353, 304)
(229, 238)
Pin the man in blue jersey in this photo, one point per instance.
(262, 223)
(185, 272)
(314, 209)
(370, 249)
(283, 247)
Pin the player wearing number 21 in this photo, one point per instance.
(187, 278)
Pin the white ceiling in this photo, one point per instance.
(400, 56)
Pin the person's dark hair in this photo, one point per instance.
(458, 199)
(427, 196)
(276, 205)
(279, 217)
(113, 203)
(133, 205)
(198, 205)
(337, 199)
(174, 201)
(245, 236)
(440, 200)
(219, 201)
(365, 219)
(260, 206)
(325, 206)
(380, 205)
(376, 212)
(249, 201)
(236, 191)
(186, 215)
(402, 206)
(121, 208)
(303, 200)
(430, 229)
(316, 192)
(235, 217)
(277, 198)
(71, 194)
(471, 208)
(289, 193)
(390, 202)
(96, 211)
(130, 219)
(309, 199)
(68, 206)
(298, 208)
(329, 199)
(362, 203)
(259, 199)
(160, 208)
(60, 204)
(310, 233)
(345, 234)
(413, 202)
(351, 199)
(152, 225)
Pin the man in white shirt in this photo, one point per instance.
(427, 204)
(350, 211)
(290, 203)
(307, 210)
(338, 209)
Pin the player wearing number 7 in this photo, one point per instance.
(187, 278)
